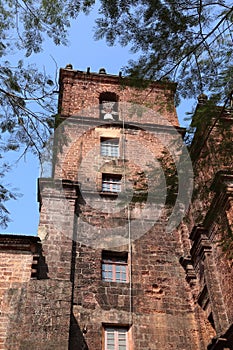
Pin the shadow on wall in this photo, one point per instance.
(76, 338)
(39, 265)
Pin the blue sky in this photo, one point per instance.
(82, 52)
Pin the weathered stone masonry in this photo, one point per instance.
(177, 293)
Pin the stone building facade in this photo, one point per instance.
(105, 272)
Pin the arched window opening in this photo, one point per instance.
(108, 106)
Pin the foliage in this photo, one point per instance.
(186, 41)
(189, 42)
(169, 174)
(5, 195)
(27, 100)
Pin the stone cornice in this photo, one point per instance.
(201, 244)
(69, 188)
(223, 181)
(19, 243)
(223, 187)
(111, 79)
(127, 125)
(187, 264)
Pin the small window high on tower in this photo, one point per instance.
(108, 106)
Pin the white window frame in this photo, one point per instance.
(116, 339)
(109, 147)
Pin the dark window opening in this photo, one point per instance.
(211, 320)
(108, 106)
(111, 183)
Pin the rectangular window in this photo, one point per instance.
(114, 267)
(116, 338)
(111, 183)
(109, 147)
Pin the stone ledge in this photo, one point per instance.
(127, 125)
(19, 243)
(223, 342)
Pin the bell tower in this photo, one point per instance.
(127, 256)
(109, 216)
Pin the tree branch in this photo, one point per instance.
(200, 43)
